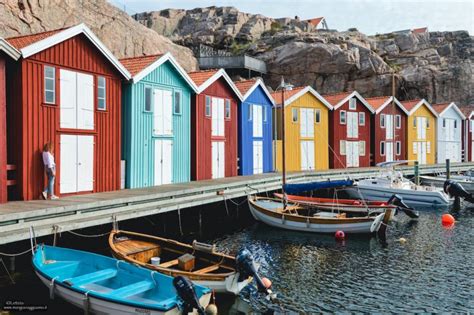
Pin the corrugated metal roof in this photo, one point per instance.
(135, 65)
(20, 42)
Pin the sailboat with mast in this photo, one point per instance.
(290, 215)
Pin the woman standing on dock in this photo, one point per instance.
(50, 168)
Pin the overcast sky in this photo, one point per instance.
(369, 16)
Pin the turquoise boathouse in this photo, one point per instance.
(156, 122)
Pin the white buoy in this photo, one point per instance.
(211, 309)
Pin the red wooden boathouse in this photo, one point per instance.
(349, 125)
(7, 52)
(214, 118)
(66, 89)
(388, 133)
(467, 133)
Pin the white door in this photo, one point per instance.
(77, 163)
(352, 153)
(85, 101)
(257, 156)
(352, 124)
(307, 155)
(163, 162)
(68, 101)
(257, 120)
(389, 127)
(217, 127)
(421, 152)
(307, 122)
(421, 127)
(388, 151)
(218, 159)
(162, 112)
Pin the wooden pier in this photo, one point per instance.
(81, 211)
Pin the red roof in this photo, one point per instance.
(467, 110)
(20, 42)
(409, 105)
(245, 86)
(334, 99)
(377, 102)
(199, 77)
(315, 21)
(288, 94)
(439, 108)
(419, 30)
(135, 65)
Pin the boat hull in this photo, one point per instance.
(439, 182)
(314, 225)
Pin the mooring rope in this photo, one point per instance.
(88, 235)
(15, 254)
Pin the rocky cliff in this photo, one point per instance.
(119, 32)
(438, 66)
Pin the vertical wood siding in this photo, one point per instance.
(467, 140)
(379, 134)
(3, 132)
(339, 132)
(293, 138)
(39, 123)
(201, 155)
(443, 145)
(430, 134)
(246, 137)
(138, 149)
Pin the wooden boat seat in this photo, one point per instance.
(132, 289)
(170, 263)
(92, 277)
(207, 269)
(141, 250)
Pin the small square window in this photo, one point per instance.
(362, 119)
(148, 98)
(294, 113)
(177, 102)
(208, 106)
(317, 118)
(444, 122)
(398, 121)
(101, 85)
(399, 147)
(342, 117)
(362, 148)
(250, 118)
(382, 120)
(352, 103)
(49, 85)
(342, 147)
(382, 148)
(227, 109)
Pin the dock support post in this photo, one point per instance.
(448, 168)
(417, 173)
(12, 264)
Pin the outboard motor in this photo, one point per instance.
(397, 200)
(454, 189)
(186, 292)
(246, 268)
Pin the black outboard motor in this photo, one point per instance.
(397, 200)
(186, 292)
(246, 268)
(454, 189)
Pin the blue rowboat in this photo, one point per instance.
(103, 285)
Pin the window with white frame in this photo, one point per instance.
(427, 122)
(227, 109)
(414, 121)
(444, 122)
(398, 121)
(361, 119)
(455, 124)
(317, 116)
(398, 148)
(294, 115)
(342, 147)
(49, 85)
(362, 148)
(342, 117)
(101, 105)
(177, 102)
(264, 109)
(382, 120)
(250, 112)
(208, 106)
(382, 148)
(352, 103)
(148, 98)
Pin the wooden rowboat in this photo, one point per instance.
(104, 285)
(209, 268)
(300, 218)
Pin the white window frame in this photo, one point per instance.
(45, 78)
(207, 108)
(150, 109)
(294, 111)
(361, 115)
(398, 121)
(317, 116)
(341, 119)
(362, 148)
(342, 147)
(104, 88)
(264, 111)
(398, 148)
(250, 118)
(382, 148)
(382, 120)
(177, 92)
(227, 109)
(353, 103)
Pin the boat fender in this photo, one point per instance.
(187, 294)
(208, 248)
(246, 268)
(86, 303)
(51, 288)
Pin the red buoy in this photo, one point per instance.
(267, 283)
(339, 235)
(447, 220)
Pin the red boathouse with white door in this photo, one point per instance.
(467, 133)
(66, 89)
(349, 130)
(388, 134)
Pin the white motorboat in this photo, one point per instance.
(438, 181)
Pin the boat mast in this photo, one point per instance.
(283, 145)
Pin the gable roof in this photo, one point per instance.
(29, 45)
(8, 49)
(442, 108)
(468, 111)
(140, 67)
(412, 105)
(295, 93)
(247, 87)
(339, 99)
(419, 30)
(379, 103)
(315, 21)
(204, 78)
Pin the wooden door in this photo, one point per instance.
(388, 127)
(388, 151)
(218, 159)
(162, 112)
(352, 124)
(352, 153)
(257, 121)
(85, 101)
(257, 157)
(77, 163)
(163, 162)
(217, 127)
(68, 164)
(68, 100)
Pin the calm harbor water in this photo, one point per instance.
(432, 272)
